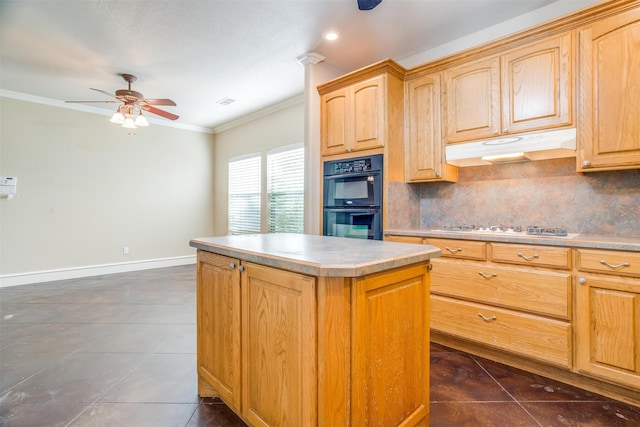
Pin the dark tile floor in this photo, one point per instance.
(119, 350)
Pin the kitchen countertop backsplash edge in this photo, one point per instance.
(585, 241)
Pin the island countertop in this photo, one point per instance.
(317, 255)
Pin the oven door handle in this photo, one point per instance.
(352, 210)
(353, 175)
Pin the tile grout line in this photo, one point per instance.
(506, 391)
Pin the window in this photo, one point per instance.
(285, 189)
(284, 192)
(244, 194)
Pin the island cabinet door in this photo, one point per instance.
(390, 358)
(279, 347)
(218, 330)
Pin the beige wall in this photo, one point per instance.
(86, 189)
(279, 128)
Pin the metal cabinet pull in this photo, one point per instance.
(582, 280)
(487, 319)
(453, 251)
(527, 258)
(232, 265)
(487, 276)
(241, 268)
(624, 264)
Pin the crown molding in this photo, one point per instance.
(94, 110)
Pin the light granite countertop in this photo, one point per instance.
(580, 241)
(318, 255)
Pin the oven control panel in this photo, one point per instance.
(358, 165)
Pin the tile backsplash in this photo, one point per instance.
(545, 193)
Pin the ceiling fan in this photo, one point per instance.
(129, 113)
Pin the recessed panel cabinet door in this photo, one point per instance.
(390, 358)
(334, 107)
(609, 93)
(473, 100)
(279, 347)
(424, 144)
(218, 323)
(536, 85)
(368, 114)
(608, 328)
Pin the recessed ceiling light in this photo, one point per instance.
(330, 35)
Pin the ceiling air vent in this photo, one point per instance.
(226, 101)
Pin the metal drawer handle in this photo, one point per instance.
(453, 251)
(487, 319)
(487, 276)
(624, 264)
(527, 258)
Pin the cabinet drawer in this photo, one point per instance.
(609, 262)
(535, 291)
(403, 239)
(532, 336)
(540, 256)
(466, 249)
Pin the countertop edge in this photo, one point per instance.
(319, 269)
(584, 241)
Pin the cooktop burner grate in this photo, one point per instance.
(532, 230)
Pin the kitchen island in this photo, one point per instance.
(302, 330)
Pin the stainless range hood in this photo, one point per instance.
(533, 146)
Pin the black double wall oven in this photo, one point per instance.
(352, 199)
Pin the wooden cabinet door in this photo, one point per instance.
(608, 328)
(334, 110)
(473, 100)
(218, 334)
(536, 85)
(424, 154)
(609, 97)
(390, 357)
(368, 114)
(279, 347)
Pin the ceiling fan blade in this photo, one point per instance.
(368, 4)
(159, 112)
(90, 102)
(103, 91)
(157, 101)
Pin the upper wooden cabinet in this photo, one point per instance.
(609, 96)
(424, 142)
(524, 89)
(362, 110)
(473, 100)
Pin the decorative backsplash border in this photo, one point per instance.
(547, 193)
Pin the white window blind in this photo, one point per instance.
(244, 195)
(285, 190)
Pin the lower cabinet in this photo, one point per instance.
(218, 328)
(287, 349)
(256, 340)
(390, 359)
(522, 309)
(572, 314)
(608, 315)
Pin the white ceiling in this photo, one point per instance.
(198, 52)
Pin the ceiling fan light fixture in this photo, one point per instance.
(141, 120)
(129, 123)
(117, 118)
